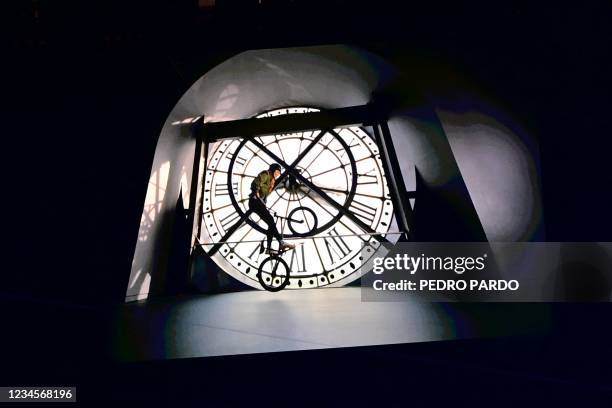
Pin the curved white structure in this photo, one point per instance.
(478, 164)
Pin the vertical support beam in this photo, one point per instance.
(196, 200)
(201, 184)
(195, 192)
(399, 197)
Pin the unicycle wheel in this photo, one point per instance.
(273, 274)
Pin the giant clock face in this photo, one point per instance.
(341, 199)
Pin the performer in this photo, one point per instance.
(261, 187)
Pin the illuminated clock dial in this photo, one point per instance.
(338, 189)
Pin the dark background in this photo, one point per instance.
(86, 88)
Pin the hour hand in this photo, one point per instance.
(332, 191)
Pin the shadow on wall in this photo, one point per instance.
(471, 154)
(169, 178)
(177, 279)
(500, 169)
(142, 279)
(443, 209)
(439, 218)
(499, 162)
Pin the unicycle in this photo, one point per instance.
(273, 274)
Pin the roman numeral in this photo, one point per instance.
(336, 246)
(240, 160)
(298, 259)
(364, 211)
(368, 177)
(230, 219)
(222, 190)
(342, 152)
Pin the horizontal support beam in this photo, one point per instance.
(363, 115)
(369, 234)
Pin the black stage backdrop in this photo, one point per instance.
(86, 88)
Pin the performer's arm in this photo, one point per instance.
(272, 182)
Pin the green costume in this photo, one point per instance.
(262, 183)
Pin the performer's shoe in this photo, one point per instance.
(284, 246)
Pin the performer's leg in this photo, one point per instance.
(260, 209)
(272, 230)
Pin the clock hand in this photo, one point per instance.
(336, 190)
(304, 191)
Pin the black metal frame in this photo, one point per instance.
(399, 196)
(364, 115)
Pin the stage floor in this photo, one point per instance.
(262, 322)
